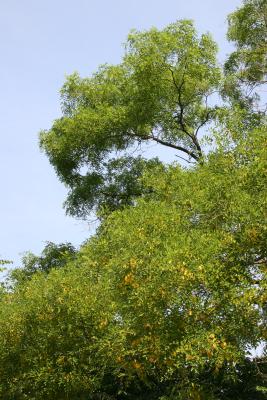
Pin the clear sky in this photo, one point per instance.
(42, 41)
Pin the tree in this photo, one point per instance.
(166, 300)
(159, 93)
(186, 268)
(246, 67)
(53, 256)
(49, 327)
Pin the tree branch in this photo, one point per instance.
(180, 116)
(174, 146)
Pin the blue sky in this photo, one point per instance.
(41, 42)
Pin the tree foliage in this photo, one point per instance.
(159, 93)
(53, 256)
(167, 299)
(246, 68)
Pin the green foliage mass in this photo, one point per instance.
(53, 256)
(167, 299)
(246, 68)
(160, 92)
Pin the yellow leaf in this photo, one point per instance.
(128, 279)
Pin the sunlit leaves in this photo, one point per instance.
(160, 92)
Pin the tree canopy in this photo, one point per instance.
(247, 66)
(53, 256)
(159, 93)
(168, 299)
